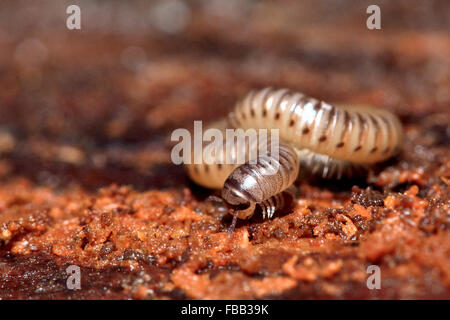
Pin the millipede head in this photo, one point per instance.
(243, 211)
(237, 203)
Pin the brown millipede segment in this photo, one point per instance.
(325, 140)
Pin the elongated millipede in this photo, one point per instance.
(361, 135)
(329, 141)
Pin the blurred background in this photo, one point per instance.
(96, 106)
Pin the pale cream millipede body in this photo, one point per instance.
(323, 139)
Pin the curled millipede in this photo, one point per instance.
(257, 183)
(325, 140)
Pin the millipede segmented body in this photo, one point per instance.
(261, 182)
(325, 140)
(211, 168)
(360, 135)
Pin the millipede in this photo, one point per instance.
(317, 137)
